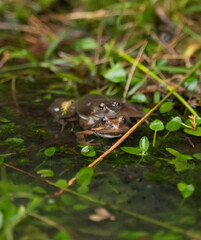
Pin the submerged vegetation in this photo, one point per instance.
(145, 52)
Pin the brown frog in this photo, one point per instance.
(106, 128)
(100, 115)
(92, 108)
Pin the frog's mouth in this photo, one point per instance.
(109, 135)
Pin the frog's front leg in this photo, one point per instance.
(80, 137)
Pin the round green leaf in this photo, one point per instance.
(139, 97)
(15, 140)
(132, 150)
(144, 144)
(181, 186)
(174, 124)
(191, 83)
(86, 44)
(115, 74)
(186, 189)
(166, 107)
(157, 125)
(45, 173)
(50, 151)
(61, 183)
(39, 189)
(196, 132)
(83, 189)
(84, 176)
(88, 151)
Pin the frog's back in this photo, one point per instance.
(56, 109)
(86, 105)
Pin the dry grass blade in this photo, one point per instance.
(86, 15)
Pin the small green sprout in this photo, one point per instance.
(156, 125)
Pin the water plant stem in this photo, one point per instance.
(154, 139)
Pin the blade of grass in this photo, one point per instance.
(55, 44)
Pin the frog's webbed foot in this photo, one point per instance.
(80, 137)
(64, 122)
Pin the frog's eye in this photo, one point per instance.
(103, 121)
(124, 120)
(102, 106)
(116, 104)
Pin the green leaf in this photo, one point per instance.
(115, 74)
(68, 76)
(68, 199)
(55, 43)
(45, 173)
(84, 176)
(166, 107)
(61, 236)
(157, 125)
(83, 189)
(80, 207)
(132, 150)
(157, 96)
(174, 124)
(196, 132)
(186, 189)
(39, 189)
(50, 151)
(162, 235)
(4, 120)
(191, 83)
(197, 156)
(14, 140)
(88, 151)
(86, 44)
(139, 97)
(61, 183)
(178, 154)
(180, 164)
(1, 160)
(144, 144)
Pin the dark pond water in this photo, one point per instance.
(142, 194)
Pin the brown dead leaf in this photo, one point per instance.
(5, 58)
(101, 214)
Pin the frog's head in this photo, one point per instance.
(111, 127)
